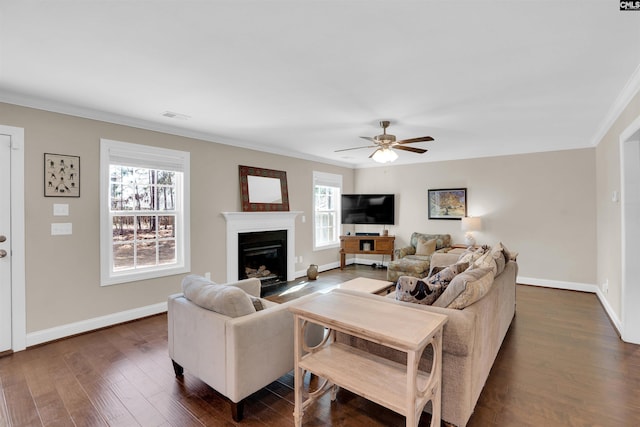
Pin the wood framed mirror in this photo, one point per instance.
(263, 190)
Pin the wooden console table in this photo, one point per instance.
(401, 388)
(376, 245)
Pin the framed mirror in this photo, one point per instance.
(263, 189)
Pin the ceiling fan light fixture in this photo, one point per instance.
(384, 155)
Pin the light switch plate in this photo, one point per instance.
(60, 209)
(61, 228)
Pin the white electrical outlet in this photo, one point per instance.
(605, 286)
(207, 275)
(60, 209)
(300, 259)
(61, 228)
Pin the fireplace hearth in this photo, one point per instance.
(263, 255)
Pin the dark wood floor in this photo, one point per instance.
(561, 364)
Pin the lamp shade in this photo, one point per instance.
(471, 223)
(384, 155)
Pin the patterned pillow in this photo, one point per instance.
(426, 291)
(257, 303)
(460, 266)
(471, 255)
(419, 291)
(425, 247)
(493, 260)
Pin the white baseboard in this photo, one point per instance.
(321, 268)
(58, 332)
(570, 286)
(617, 323)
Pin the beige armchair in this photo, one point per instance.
(236, 356)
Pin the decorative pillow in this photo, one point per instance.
(257, 303)
(444, 276)
(471, 255)
(466, 288)
(419, 291)
(425, 247)
(436, 269)
(426, 291)
(500, 264)
(228, 300)
(508, 255)
(493, 260)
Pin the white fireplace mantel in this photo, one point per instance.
(249, 222)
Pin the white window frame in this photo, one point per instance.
(143, 156)
(329, 180)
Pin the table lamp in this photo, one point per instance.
(470, 224)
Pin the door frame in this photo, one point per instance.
(630, 231)
(18, 277)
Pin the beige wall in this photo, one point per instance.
(547, 206)
(608, 213)
(63, 272)
(541, 205)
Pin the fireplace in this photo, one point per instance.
(250, 222)
(263, 255)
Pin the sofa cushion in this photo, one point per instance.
(426, 258)
(227, 300)
(425, 247)
(410, 264)
(466, 288)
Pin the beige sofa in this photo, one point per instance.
(471, 340)
(236, 356)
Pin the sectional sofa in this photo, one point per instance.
(471, 340)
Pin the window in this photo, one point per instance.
(144, 199)
(327, 189)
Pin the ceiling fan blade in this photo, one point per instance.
(374, 152)
(418, 139)
(355, 148)
(368, 138)
(412, 149)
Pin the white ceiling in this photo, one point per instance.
(306, 77)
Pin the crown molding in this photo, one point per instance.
(631, 89)
(103, 116)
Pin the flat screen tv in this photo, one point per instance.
(368, 209)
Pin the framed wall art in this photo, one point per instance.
(61, 175)
(448, 203)
(263, 189)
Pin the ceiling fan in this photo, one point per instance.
(386, 142)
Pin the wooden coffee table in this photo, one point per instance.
(403, 388)
(370, 286)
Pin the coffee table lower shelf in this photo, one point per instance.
(377, 379)
(400, 387)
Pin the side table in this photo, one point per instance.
(402, 388)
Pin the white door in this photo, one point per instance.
(5, 243)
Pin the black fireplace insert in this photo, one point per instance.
(263, 254)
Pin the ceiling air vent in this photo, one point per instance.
(172, 115)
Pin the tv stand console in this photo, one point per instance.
(371, 245)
